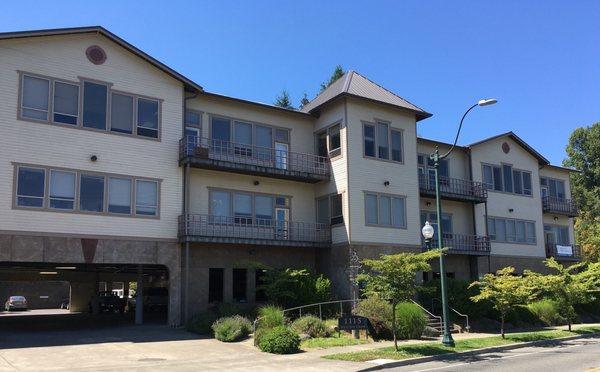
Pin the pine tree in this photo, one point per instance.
(337, 73)
(283, 100)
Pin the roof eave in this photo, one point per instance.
(259, 104)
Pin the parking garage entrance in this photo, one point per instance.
(67, 295)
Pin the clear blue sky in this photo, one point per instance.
(541, 59)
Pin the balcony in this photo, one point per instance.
(477, 245)
(453, 189)
(242, 230)
(562, 206)
(563, 252)
(221, 155)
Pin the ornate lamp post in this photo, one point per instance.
(428, 230)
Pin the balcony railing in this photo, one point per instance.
(217, 154)
(464, 244)
(453, 188)
(249, 230)
(551, 204)
(563, 252)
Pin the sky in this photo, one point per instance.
(540, 59)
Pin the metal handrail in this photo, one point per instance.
(555, 204)
(467, 326)
(453, 186)
(464, 243)
(217, 149)
(253, 228)
(439, 318)
(551, 251)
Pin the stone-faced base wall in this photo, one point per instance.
(73, 250)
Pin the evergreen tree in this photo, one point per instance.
(283, 100)
(304, 101)
(337, 73)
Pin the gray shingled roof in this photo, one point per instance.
(354, 84)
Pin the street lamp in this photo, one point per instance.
(428, 229)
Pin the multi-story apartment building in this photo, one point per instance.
(117, 168)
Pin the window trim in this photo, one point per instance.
(501, 167)
(232, 120)
(506, 241)
(78, 172)
(325, 131)
(79, 125)
(391, 196)
(376, 140)
(79, 104)
(548, 186)
(568, 227)
(329, 217)
(253, 194)
(200, 114)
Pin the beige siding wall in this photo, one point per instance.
(369, 175)
(462, 215)
(458, 160)
(499, 204)
(28, 142)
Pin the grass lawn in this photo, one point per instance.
(436, 348)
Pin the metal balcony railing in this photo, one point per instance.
(249, 230)
(219, 154)
(567, 252)
(551, 204)
(453, 188)
(464, 244)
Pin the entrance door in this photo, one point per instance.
(281, 155)
(282, 216)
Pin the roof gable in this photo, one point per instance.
(356, 85)
(541, 159)
(188, 83)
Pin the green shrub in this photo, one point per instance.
(295, 287)
(270, 317)
(201, 323)
(227, 309)
(379, 313)
(547, 311)
(410, 321)
(279, 340)
(231, 329)
(521, 316)
(459, 296)
(311, 326)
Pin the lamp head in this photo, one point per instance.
(487, 101)
(427, 231)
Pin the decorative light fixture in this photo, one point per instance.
(427, 230)
(93, 158)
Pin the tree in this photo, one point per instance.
(584, 154)
(294, 287)
(338, 72)
(304, 101)
(392, 278)
(568, 286)
(504, 290)
(283, 100)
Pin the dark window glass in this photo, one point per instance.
(35, 98)
(260, 276)
(66, 102)
(323, 210)
(497, 179)
(239, 284)
(282, 135)
(91, 193)
(372, 208)
(263, 207)
(396, 145)
(94, 105)
(146, 198)
(119, 195)
(336, 209)
(147, 118)
(322, 144)
(369, 133)
(215, 285)
(121, 113)
(62, 190)
(31, 186)
(526, 183)
(517, 182)
(508, 178)
(385, 210)
(444, 172)
(398, 212)
(220, 134)
(242, 208)
(383, 141)
(192, 118)
(334, 141)
(488, 176)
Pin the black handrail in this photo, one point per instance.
(453, 186)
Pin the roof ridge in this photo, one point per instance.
(389, 91)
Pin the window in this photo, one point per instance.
(379, 139)
(66, 103)
(264, 141)
(427, 165)
(369, 134)
(121, 113)
(263, 206)
(239, 284)
(94, 105)
(246, 207)
(146, 198)
(334, 141)
(559, 234)
(147, 118)
(282, 135)
(322, 144)
(506, 179)
(385, 210)
(396, 145)
(508, 230)
(215, 285)
(554, 188)
(242, 138)
(383, 141)
(329, 210)
(62, 190)
(242, 208)
(91, 193)
(35, 97)
(193, 118)
(30, 187)
(119, 195)
(431, 217)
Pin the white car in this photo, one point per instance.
(15, 303)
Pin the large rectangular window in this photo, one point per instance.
(30, 187)
(382, 142)
(330, 209)
(66, 103)
(396, 145)
(240, 279)
(509, 230)
(335, 143)
(94, 105)
(556, 234)
(554, 188)
(121, 113)
(119, 195)
(431, 217)
(369, 136)
(385, 210)
(147, 117)
(146, 198)
(215, 285)
(507, 179)
(35, 93)
(62, 190)
(246, 207)
(91, 193)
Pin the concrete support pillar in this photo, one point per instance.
(228, 285)
(139, 297)
(80, 296)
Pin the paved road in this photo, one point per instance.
(574, 355)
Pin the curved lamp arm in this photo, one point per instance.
(458, 133)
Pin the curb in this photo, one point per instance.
(452, 356)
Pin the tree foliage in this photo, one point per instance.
(584, 154)
(283, 100)
(304, 101)
(295, 287)
(505, 291)
(338, 72)
(392, 277)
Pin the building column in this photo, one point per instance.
(139, 296)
